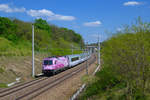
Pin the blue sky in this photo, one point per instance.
(86, 17)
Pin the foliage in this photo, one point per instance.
(16, 38)
(42, 24)
(1, 70)
(125, 66)
(8, 29)
(3, 85)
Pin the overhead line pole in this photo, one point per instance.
(72, 48)
(33, 69)
(87, 59)
(98, 50)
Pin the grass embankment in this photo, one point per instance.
(12, 67)
(3, 85)
(126, 66)
(16, 38)
(23, 48)
(16, 46)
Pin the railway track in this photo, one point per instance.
(30, 90)
(19, 85)
(8, 91)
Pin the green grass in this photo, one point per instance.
(3, 85)
(1, 70)
(106, 84)
(24, 48)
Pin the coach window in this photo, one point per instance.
(74, 59)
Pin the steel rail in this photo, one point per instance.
(54, 83)
(19, 87)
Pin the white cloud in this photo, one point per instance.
(6, 8)
(92, 24)
(132, 3)
(43, 13)
(119, 29)
(40, 13)
(49, 15)
(61, 17)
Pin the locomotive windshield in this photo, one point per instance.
(48, 62)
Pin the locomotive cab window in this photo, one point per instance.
(55, 62)
(74, 59)
(48, 62)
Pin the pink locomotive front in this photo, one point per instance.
(54, 63)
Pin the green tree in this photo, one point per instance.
(42, 24)
(8, 29)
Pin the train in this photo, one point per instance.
(54, 64)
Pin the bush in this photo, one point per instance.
(16, 38)
(3, 85)
(2, 70)
(125, 65)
